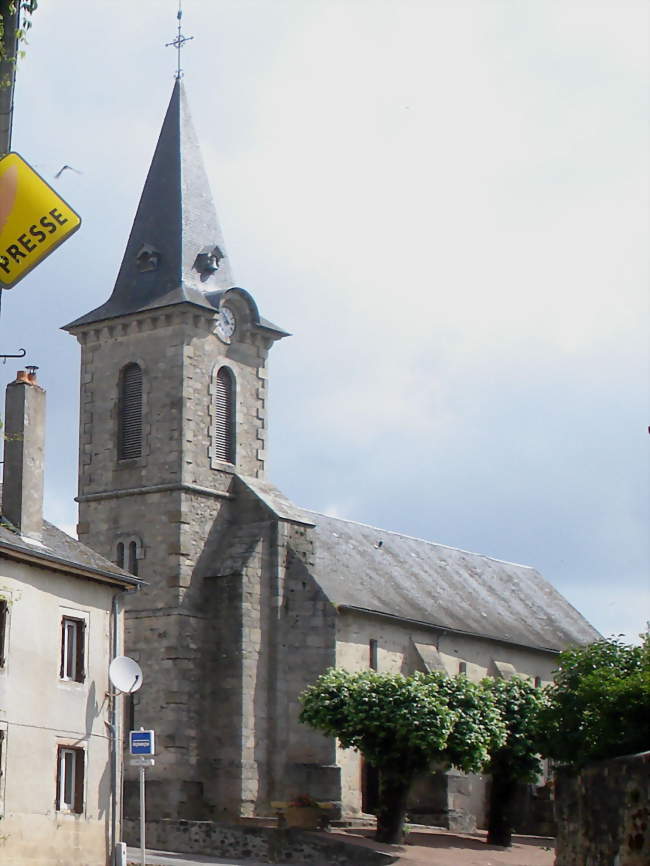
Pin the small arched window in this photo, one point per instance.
(133, 558)
(130, 413)
(128, 552)
(223, 395)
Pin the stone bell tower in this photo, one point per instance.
(173, 405)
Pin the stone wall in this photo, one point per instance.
(270, 633)
(175, 502)
(604, 814)
(268, 844)
(447, 800)
(305, 760)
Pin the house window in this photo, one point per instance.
(372, 654)
(130, 413)
(70, 779)
(4, 609)
(462, 667)
(223, 420)
(119, 554)
(73, 633)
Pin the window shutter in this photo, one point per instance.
(130, 413)
(224, 411)
(3, 630)
(81, 650)
(62, 667)
(79, 762)
(58, 778)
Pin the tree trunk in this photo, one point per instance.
(502, 798)
(393, 794)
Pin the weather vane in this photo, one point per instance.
(179, 41)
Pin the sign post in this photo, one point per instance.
(142, 748)
(143, 853)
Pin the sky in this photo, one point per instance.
(444, 202)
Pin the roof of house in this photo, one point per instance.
(391, 574)
(58, 550)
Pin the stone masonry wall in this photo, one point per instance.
(604, 814)
(246, 357)
(272, 635)
(230, 627)
(266, 844)
(175, 501)
(178, 354)
(304, 760)
(236, 694)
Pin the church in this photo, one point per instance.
(248, 597)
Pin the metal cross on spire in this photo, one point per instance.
(179, 41)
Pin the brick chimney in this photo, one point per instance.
(24, 431)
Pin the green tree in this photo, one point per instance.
(478, 728)
(517, 759)
(8, 10)
(404, 726)
(599, 704)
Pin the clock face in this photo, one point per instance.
(226, 323)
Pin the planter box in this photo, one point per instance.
(307, 817)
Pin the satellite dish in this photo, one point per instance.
(125, 674)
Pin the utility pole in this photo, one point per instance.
(11, 21)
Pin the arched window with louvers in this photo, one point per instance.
(223, 393)
(129, 435)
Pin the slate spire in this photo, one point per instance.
(176, 250)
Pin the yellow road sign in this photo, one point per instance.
(34, 220)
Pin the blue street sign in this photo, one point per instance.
(142, 742)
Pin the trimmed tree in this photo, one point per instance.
(403, 726)
(599, 704)
(478, 729)
(517, 759)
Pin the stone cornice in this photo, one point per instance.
(153, 488)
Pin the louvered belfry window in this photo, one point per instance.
(224, 416)
(130, 413)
